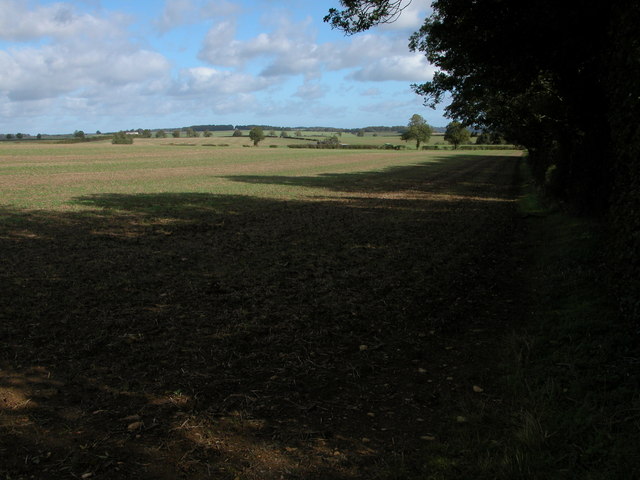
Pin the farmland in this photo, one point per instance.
(63, 171)
(189, 311)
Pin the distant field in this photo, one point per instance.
(50, 176)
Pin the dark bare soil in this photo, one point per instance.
(202, 336)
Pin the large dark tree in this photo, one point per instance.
(533, 71)
(557, 77)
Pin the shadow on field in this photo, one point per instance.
(184, 335)
(439, 175)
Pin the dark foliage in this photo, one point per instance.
(624, 97)
(212, 128)
(558, 78)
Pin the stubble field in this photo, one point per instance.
(226, 312)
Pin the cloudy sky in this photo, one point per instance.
(117, 64)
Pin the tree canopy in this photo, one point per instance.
(362, 15)
(456, 134)
(535, 72)
(556, 77)
(256, 134)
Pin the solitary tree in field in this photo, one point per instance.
(456, 134)
(176, 134)
(161, 134)
(208, 134)
(237, 133)
(417, 130)
(257, 135)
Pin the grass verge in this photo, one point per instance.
(567, 373)
(574, 370)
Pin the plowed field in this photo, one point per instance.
(251, 314)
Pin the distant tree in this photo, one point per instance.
(8, 136)
(272, 133)
(121, 138)
(331, 141)
(79, 134)
(237, 133)
(191, 133)
(360, 133)
(176, 134)
(208, 134)
(456, 134)
(417, 130)
(98, 132)
(257, 135)
(161, 134)
(283, 134)
(19, 136)
(298, 133)
(39, 136)
(146, 133)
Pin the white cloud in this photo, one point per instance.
(406, 68)
(218, 45)
(203, 80)
(49, 71)
(361, 50)
(59, 20)
(290, 48)
(175, 13)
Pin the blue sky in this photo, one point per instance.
(114, 64)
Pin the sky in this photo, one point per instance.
(114, 65)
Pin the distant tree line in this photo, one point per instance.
(212, 128)
(263, 127)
